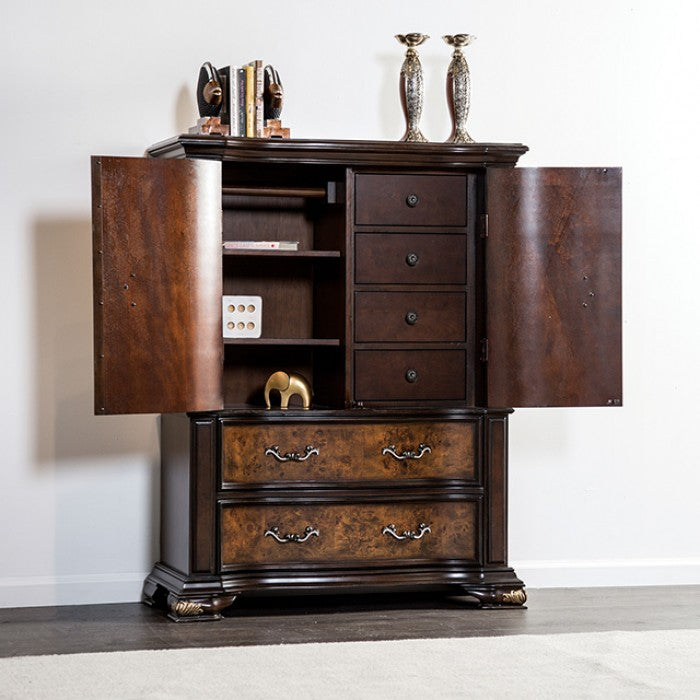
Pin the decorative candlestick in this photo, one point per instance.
(459, 88)
(411, 86)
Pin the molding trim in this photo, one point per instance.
(582, 573)
(85, 589)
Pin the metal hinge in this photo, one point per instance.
(484, 233)
(484, 350)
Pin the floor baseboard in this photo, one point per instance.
(86, 589)
(608, 572)
(32, 591)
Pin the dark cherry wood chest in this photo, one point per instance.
(435, 287)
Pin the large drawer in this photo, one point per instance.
(272, 452)
(432, 530)
(410, 375)
(409, 317)
(411, 200)
(410, 258)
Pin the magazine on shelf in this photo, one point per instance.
(261, 245)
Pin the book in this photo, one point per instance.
(250, 100)
(230, 107)
(261, 245)
(259, 105)
(241, 101)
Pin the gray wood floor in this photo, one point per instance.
(91, 628)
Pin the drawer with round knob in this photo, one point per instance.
(410, 375)
(415, 258)
(410, 317)
(300, 452)
(334, 532)
(410, 200)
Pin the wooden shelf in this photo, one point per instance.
(303, 192)
(275, 253)
(310, 342)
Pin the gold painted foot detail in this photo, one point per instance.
(198, 608)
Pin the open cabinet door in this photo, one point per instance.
(553, 287)
(157, 285)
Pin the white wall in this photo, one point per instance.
(597, 496)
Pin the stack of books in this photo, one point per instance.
(243, 109)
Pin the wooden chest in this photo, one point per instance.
(424, 289)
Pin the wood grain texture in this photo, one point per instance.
(348, 532)
(348, 451)
(410, 200)
(280, 152)
(72, 629)
(383, 258)
(381, 375)
(553, 278)
(157, 285)
(410, 317)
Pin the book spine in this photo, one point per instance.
(259, 106)
(225, 114)
(241, 101)
(250, 100)
(261, 245)
(234, 101)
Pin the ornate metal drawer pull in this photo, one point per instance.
(408, 454)
(291, 456)
(406, 534)
(275, 532)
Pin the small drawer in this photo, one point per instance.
(416, 258)
(362, 532)
(410, 375)
(409, 317)
(411, 200)
(274, 452)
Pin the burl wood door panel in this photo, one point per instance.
(553, 276)
(348, 532)
(415, 258)
(411, 200)
(410, 317)
(157, 285)
(410, 375)
(273, 452)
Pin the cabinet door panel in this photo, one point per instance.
(157, 285)
(553, 280)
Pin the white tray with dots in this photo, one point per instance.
(241, 316)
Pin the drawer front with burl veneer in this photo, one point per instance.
(409, 317)
(305, 452)
(361, 532)
(410, 258)
(410, 375)
(410, 200)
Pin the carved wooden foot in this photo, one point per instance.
(191, 608)
(497, 597)
(153, 594)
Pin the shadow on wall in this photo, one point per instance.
(185, 109)
(66, 427)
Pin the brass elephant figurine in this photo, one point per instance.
(288, 385)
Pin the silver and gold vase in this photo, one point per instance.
(411, 86)
(459, 88)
